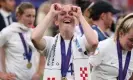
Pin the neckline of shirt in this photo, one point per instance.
(21, 26)
(100, 30)
(4, 13)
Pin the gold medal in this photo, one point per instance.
(29, 65)
(63, 78)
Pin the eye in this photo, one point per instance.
(70, 13)
(62, 13)
(130, 39)
(28, 15)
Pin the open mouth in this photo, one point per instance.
(67, 21)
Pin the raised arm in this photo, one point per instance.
(91, 37)
(38, 32)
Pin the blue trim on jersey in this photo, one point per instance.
(101, 36)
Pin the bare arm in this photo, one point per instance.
(41, 64)
(40, 69)
(2, 59)
(38, 32)
(7, 76)
(89, 33)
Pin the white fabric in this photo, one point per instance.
(105, 61)
(53, 64)
(14, 49)
(5, 15)
(77, 31)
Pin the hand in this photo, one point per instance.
(12, 76)
(8, 76)
(76, 11)
(55, 9)
(36, 76)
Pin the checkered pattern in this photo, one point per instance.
(51, 78)
(83, 73)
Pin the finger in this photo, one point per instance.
(57, 6)
(13, 74)
(8, 78)
(79, 10)
(12, 77)
(74, 8)
(75, 14)
(76, 21)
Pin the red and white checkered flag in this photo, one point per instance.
(83, 73)
(51, 78)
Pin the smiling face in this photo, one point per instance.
(65, 19)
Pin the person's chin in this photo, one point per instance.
(129, 48)
(29, 26)
(66, 25)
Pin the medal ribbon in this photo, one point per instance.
(81, 29)
(122, 73)
(27, 54)
(65, 57)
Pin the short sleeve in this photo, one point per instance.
(85, 43)
(48, 44)
(96, 58)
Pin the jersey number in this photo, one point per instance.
(71, 68)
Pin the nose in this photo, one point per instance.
(69, 13)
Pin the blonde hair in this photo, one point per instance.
(21, 7)
(125, 25)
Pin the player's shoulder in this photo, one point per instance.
(107, 43)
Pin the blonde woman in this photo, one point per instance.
(21, 56)
(113, 59)
(66, 52)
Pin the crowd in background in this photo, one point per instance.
(125, 7)
(42, 7)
